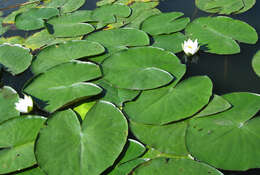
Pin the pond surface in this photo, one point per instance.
(232, 73)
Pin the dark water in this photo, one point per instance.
(232, 73)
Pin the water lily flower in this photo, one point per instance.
(190, 47)
(24, 105)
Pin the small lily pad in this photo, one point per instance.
(256, 63)
(65, 6)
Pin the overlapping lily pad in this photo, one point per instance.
(17, 137)
(225, 6)
(228, 140)
(8, 98)
(15, 58)
(34, 171)
(141, 68)
(55, 88)
(256, 63)
(90, 148)
(65, 6)
(165, 23)
(168, 104)
(64, 52)
(165, 166)
(219, 34)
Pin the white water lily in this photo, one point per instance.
(190, 47)
(24, 105)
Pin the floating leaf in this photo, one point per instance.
(8, 98)
(105, 2)
(34, 171)
(256, 63)
(218, 34)
(216, 105)
(164, 166)
(169, 139)
(90, 148)
(165, 23)
(225, 6)
(56, 88)
(116, 95)
(43, 38)
(12, 40)
(141, 68)
(34, 18)
(64, 52)
(168, 104)
(172, 42)
(15, 57)
(65, 6)
(17, 138)
(228, 140)
(71, 24)
(83, 109)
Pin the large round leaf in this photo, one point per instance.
(8, 98)
(168, 139)
(34, 18)
(15, 57)
(65, 6)
(165, 23)
(17, 137)
(164, 166)
(64, 147)
(256, 63)
(64, 52)
(225, 6)
(141, 68)
(218, 34)
(63, 84)
(168, 104)
(229, 140)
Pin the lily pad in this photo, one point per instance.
(256, 63)
(34, 18)
(55, 88)
(17, 137)
(83, 109)
(172, 42)
(165, 166)
(168, 139)
(168, 104)
(218, 34)
(90, 148)
(64, 52)
(65, 6)
(228, 140)
(165, 23)
(105, 2)
(141, 68)
(225, 6)
(12, 40)
(34, 171)
(15, 58)
(8, 98)
(71, 24)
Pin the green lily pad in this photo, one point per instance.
(43, 38)
(256, 63)
(105, 2)
(165, 23)
(164, 166)
(65, 6)
(141, 68)
(8, 98)
(216, 105)
(17, 137)
(71, 24)
(34, 171)
(12, 40)
(89, 148)
(168, 104)
(228, 140)
(115, 95)
(225, 6)
(83, 109)
(34, 18)
(64, 52)
(172, 42)
(107, 14)
(168, 139)
(56, 89)
(15, 58)
(218, 34)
